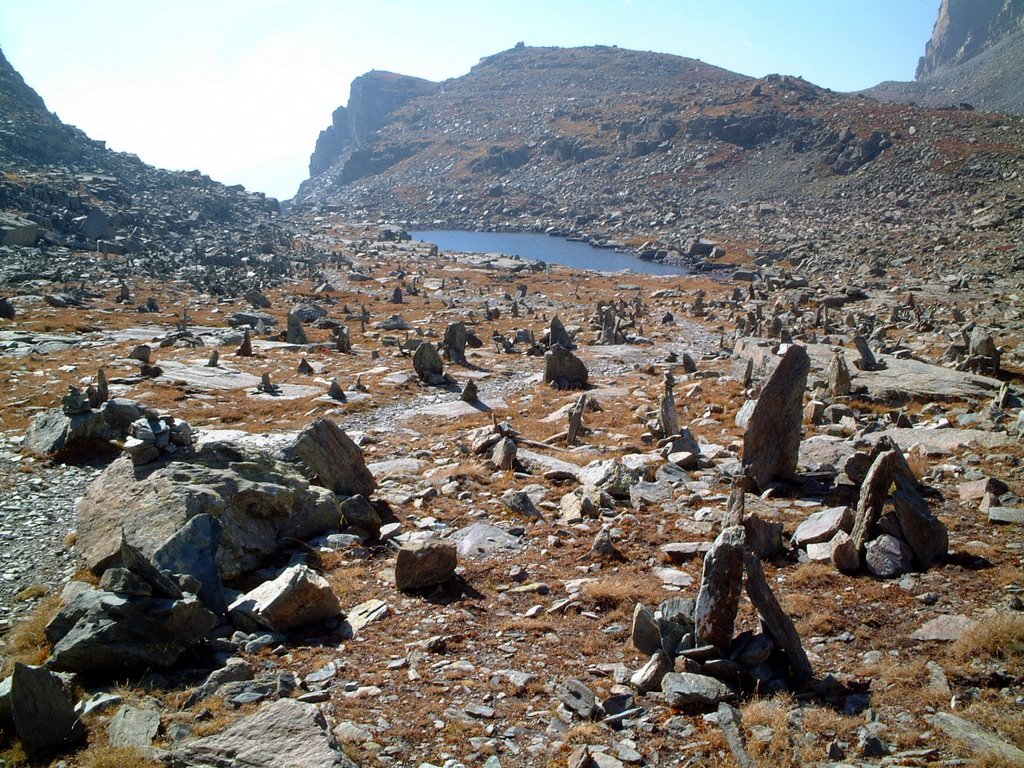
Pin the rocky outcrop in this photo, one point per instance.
(261, 502)
(373, 97)
(966, 28)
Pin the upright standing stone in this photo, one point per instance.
(887, 466)
(564, 370)
(771, 443)
(295, 334)
(342, 339)
(428, 364)
(838, 375)
(776, 622)
(6, 309)
(721, 581)
(245, 348)
(867, 361)
(668, 417)
(454, 344)
(558, 335)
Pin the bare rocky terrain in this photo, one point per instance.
(291, 489)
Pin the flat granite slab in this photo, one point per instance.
(456, 409)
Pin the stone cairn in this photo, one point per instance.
(153, 437)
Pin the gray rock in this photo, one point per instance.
(482, 539)
(924, 533)
(563, 370)
(611, 476)
(504, 454)
(578, 699)
(43, 711)
(263, 503)
(298, 597)
(648, 678)
(295, 333)
(285, 727)
(454, 344)
(645, 632)
(557, 335)
(428, 364)
(360, 515)
(121, 581)
(823, 526)
(1006, 515)
(684, 690)
(251, 318)
(771, 442)
(976, 737)
(307, 312)
(53, 432)
(192, 550)
(133, 727)
(887, 557)
(845, 556)
(887, 466)
(101, 631)
(943, 629)
(424, 564)
(721, 582)
(328, 457)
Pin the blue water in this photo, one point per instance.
(553, 250)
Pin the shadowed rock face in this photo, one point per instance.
(966, 28)
(373, 97)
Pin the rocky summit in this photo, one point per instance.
(285, 487)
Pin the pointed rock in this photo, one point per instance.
(721, 582)
(771, 443)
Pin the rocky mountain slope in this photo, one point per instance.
(975, 56)
(61, 188)
(651, 150)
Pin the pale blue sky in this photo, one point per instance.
(240, 88)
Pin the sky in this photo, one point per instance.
(240, 89)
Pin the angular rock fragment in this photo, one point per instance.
(721, 583)
(428, 364)
(563, 370)
(425, 564)
(888, 557)
(771, 442)
(329, 457)
(283, 732)
(775, 621)
(685, 690)
(43, 711)
(298, 597)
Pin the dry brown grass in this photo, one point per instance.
(623, 590)
(997, 636)
(348, 580)
(116, 757)
(27, 641)
(774, 714)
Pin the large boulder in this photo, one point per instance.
(283, 733)
(771, 443)
(328, 457)
(103, 631)
(54, 432)
(261, 502)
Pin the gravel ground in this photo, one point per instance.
(37, 512)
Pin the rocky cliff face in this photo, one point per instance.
(966, 28)
(373, 97)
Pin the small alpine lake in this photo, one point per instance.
(552, 250)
